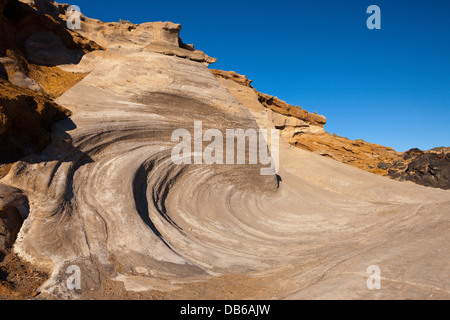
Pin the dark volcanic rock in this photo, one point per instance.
(428, 169)
(412, 153)
(383, 166)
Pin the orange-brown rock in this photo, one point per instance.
(53, 80)
(357, 153)
(281, 107)
(26, 117)
(41, 38)
(236, 77)
(286, 117)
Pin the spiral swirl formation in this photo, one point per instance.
(107, 197)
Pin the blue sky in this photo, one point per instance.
(388, 86)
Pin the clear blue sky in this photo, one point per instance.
(388, 86)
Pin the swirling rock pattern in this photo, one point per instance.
(106, 197)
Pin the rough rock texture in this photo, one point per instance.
(53, 80)
(231, 75)
(426, 168)
(41, 38)
(281, 107)
(17, 74)
(26, 118)
(31, 46)
(285, 115)
(26, 115)
(105, 196)
(13, 211)
(357, 153)
(160, 37)
(18, 279)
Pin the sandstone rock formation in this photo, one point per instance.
(106, 197)
(33, 44)
(357, 153)
(160, 37)
(30, 46)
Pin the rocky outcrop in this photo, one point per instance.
(285, 109)
(306, 131)
(53, 80)
(357, 153)
(160, 37)
(428, 168)
(290, 120)
(26, 118)
(231, 75)
(41, 38)
(13, 211)
(32, 44)
(106, 196)
(35, 41)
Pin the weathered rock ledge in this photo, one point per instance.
(306, 131)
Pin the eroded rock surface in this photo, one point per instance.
(426, 168)
(13, 211)
(306, 130)
(18, 279)
(26, 118)
(31, 45)
(161, 37)
(109, 199)
(106, 197)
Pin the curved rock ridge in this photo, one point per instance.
(106, 197)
